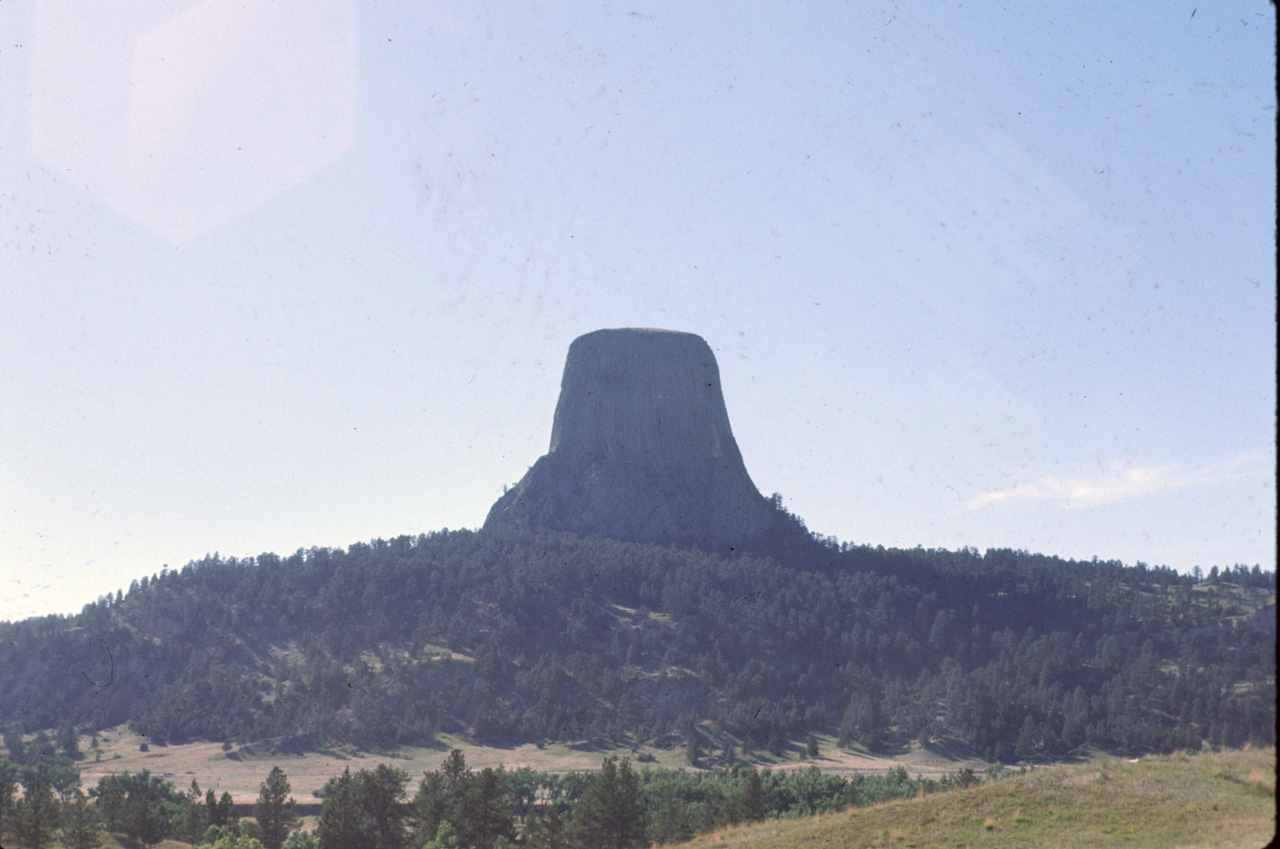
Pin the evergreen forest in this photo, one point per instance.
(506, 638)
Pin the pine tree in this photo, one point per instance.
(36, 816)
(144, 817)
(429, 808)
(14, 743)
(343, 822)
(488, 810)
(381, 796)
(1025, 747)
(68, 741)
(610, 814)
(110, 795)
(274, 810)
(753, 804)
(81, 827)
(669, 819)
(194, 815)
(1076, 722)
(548, 830)
(442, 797)
(212, 813)
(227, 813)
(8, 782)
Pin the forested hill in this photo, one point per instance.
(511, 637)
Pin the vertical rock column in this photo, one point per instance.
(641, 449)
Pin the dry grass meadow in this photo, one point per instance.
(1162, 802)
(1224, 799)
(240, 771)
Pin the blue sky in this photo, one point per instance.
(282, 275)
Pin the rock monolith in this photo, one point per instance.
(641, 449)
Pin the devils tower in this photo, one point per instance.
(641, 449)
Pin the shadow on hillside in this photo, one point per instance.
(951, 749)
(297, 747)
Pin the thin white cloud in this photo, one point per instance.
(1122, 481)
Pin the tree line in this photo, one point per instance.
(143, 808)
(454, 807)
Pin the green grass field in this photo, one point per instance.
(1167, 802)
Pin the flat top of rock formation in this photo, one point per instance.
(623, 332)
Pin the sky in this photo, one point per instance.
(279, 274)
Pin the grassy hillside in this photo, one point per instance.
(1203, 800)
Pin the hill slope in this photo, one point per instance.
(519, 637)
(1205, 800)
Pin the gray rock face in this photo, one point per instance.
(641, 449)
